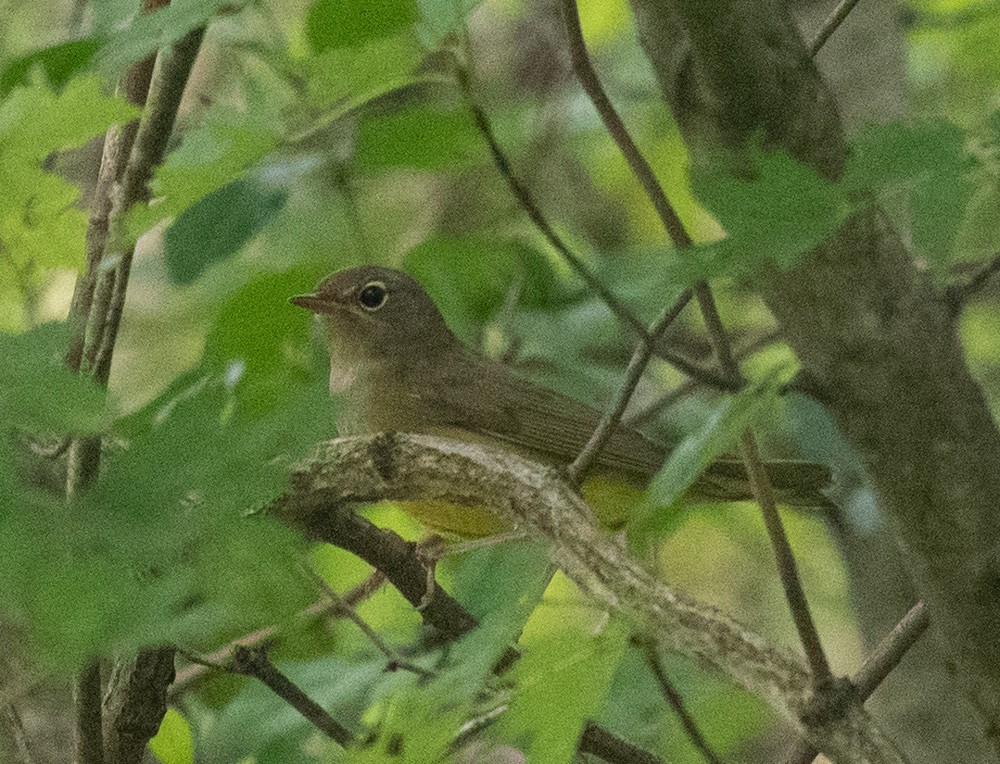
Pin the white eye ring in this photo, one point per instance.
(373, 295)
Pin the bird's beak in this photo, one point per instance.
(314, 302)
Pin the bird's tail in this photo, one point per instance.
(795, 483)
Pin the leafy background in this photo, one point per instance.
(312, 138)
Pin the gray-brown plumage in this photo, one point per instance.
(398, 367)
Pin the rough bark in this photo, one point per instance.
(396, 466)
(873, 336)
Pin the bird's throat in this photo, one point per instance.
(342, 376)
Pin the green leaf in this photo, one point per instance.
(440, 18)
(59, 62)
(217, 227)
(257, 718)
(927, 164)
(173, 743)
(257, 332)
(39, 394)
(559, 683)
(219, 151)
(145, 33)
(350, 77)
(777, 216)
(421, 138)
(422, 717)
(159, 549)
(339, 23)
(40, 227)
(721, 429)
(471, 277)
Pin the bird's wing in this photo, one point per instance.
(501, 405)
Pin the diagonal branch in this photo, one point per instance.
(254, 662)
(636, 366)
(787, 569)
(527, 202)
(832, 23)
(673, 697)
(877, 666)
(396, 466)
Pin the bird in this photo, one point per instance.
(397, 366)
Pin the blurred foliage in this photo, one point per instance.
(316, 135)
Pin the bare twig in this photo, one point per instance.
(189, 676)
(673, 697)
(646, 413)
(958, 294)
(341, 606)
(760, 483)
(94, 321)
(679, 236)
(833, 21)
(613, 123)
(787, 568)
(597, 741)
(118, 142)
(606, 427)
(526, 201)
(877, 666)
(254, 662)
(170, 77)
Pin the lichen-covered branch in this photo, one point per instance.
(396, 466)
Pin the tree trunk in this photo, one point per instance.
(875, 340)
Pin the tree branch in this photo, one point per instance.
(254, 662)
(135, 703)
(189, 676)
(395, 466)
(868, 328)
(94, 321)
(958, 294)
(676, 702)
(877, 666)
(636, 366)
(88, 744)
(832, 23)
(787, 568)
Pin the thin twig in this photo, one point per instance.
(877, 666)
(526, 201)
(833, 21)
(787, 569)
(958, 294)
(763, 492)
(606, 427)
(402, 566)
(613, 123)
(646, 413)
(341, 606)
(598, 742)
(254, 662)
(673, 697)
(202, 667)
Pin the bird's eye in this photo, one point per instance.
(372, 296)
